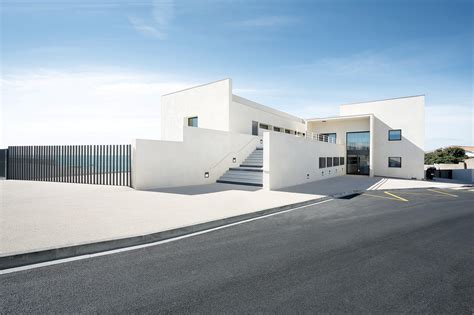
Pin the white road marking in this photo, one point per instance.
(126, 249)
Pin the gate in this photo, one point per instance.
(86, 164)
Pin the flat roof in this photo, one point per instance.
(385, 99)
(348, 117)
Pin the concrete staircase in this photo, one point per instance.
(250, 172)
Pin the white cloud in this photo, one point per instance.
(55, 107)
(157, 25)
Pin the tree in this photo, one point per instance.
(449, 155)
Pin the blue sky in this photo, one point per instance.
(93, 71)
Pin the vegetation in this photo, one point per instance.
(449, 155)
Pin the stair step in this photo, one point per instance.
(246, 169)
(239, 183)
(251, 165)
(245, 174)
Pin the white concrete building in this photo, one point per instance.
(210, 134)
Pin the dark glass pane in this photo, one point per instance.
(394, 162)
(193, 122)
(394, 135)
(358, 141)
(329, 162)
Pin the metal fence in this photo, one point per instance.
(87, 164)
(3, 162)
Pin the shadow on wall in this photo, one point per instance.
(412, 155)
(203, 189)
(334, 186)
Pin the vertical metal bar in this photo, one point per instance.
(129, 165)
(79, 158)
(42, 162)
(115, 164)
(106, 164)
(121, 165)
(74, 163)
(21, 162)
(88, 151)
(48, 163)
(111, 164)
(32, 163)
(66, 163)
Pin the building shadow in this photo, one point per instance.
(334, 186)
(203, 189)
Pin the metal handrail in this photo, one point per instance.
(233, 152)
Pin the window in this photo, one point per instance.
(341, 160)
(395, 162)
(192, 121)
(395, 135)
(329, 161)
(287, 131)
(277, 129)
(322, 162)
(264, 126)
(335, 161)
(327, 137)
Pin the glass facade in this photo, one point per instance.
(358, 151)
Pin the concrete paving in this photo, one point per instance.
(41, 215)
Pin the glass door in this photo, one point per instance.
(358, 152)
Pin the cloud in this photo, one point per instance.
(81, 107)
(156, 26)
(267, 21)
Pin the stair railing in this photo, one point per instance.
(235, 152)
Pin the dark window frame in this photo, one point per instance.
(264, 126)
(335, 161)
(328, 161)
(277, 129)
(395, 157)
(190, 119)
(341, 161)
(399, 139)
(322, 165)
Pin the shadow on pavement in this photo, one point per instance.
(335, 186)
(204, 189)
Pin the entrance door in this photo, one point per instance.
(358, 152)
(254, 128)
(358, 165)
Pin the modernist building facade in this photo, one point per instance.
(263, 146)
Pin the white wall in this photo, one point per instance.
(407, 114)
(157, 163)
(243, 112)
(287, 160)
(210, 102)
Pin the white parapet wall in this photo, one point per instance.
(290, 160)
(158, 164)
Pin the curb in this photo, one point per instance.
(29, 258)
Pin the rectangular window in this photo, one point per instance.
(329, 161)
(341, 160)
(395, 135)
(277, 129)
(287, 131)
(192, 121)
(263, 126)
(395, 162)
(322, 162)
(335, 161)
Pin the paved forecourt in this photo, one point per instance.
(43, 215)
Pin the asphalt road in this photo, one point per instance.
(373, 253)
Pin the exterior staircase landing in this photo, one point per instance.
(249, 173)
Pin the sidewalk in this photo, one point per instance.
(40, 215)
